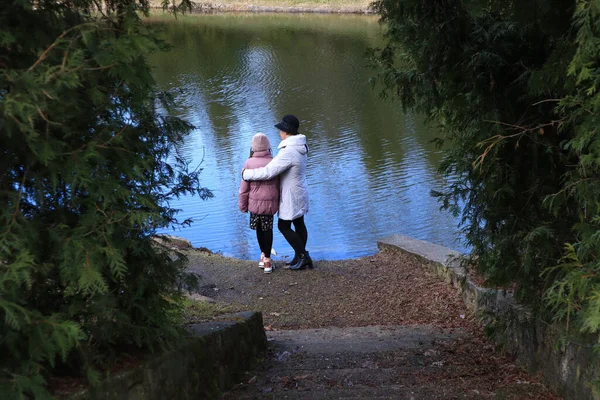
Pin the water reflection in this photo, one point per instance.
(371, 167)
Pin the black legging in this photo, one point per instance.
(296, 239)
(265, 241)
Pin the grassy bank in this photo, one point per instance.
(335, 6)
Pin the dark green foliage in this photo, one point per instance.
(478, 70)
(87, 170)
(576, 290)
(513, 86)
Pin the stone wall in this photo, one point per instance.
(208, 364)
(570, 369)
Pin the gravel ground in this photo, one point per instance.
(388, 288)
(385, 289)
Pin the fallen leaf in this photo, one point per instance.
(430, 353)
(284, 356)
(287, 382)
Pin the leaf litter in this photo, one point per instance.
(388, 288)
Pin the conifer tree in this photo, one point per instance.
(574, 295)
(89, 164)
(513, 87)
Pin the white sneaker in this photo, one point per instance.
(261, 263)
(268, 268)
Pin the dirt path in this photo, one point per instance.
(376, 327)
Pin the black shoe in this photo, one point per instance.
(292, 262)
(303, 261)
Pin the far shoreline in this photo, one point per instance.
(360, 7)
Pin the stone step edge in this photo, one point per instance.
(209, 362)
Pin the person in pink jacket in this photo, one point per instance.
(261, 198)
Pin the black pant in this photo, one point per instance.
(265, 241)
(296, 239)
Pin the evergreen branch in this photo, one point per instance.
(44, 117)
(64, 61)
(101, 67)
(101, 146)
(44, 55)
(48, 95)
(67, 281)
(117, 134)
(496, 139)
(17, 206)
(572, 184)
(522, 128)
(547, 101)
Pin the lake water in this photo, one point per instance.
(371, 167)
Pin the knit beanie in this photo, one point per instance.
(260, 142)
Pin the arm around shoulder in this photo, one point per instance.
(279, 164)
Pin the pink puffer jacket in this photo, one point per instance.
(259, 197)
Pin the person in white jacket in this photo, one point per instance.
(290, 166)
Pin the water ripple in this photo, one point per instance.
(371, 168)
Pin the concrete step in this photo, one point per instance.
(369, 339)
(431, 391)
(388, 392)
(367, 362)
(397, 362)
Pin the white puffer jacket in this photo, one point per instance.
(290, 165)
